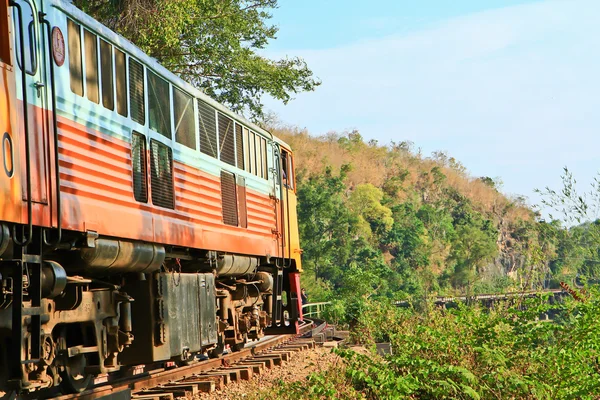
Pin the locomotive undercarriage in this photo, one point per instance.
(65, 319)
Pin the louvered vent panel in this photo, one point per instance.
(239, 143)
(208, 129)
(228, 198)
(161, 171)
(226, 146)
(136, 91)
(242, 205)
(138, 160)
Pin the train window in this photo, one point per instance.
(246, 134)
(4, 44)
(106, 64)
(161, 174)
(29, 37)
(229, 198)
(75, 68)
(252, 145)
(184, 118)
(138, 160)
(239, 146)
(207, 129)
(263, 158)
(136, 91)
(159, 105)
(226, 140)
(121, 80)
(258, 171)
(90, 43)
(286, 170)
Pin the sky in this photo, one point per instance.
(509, 88)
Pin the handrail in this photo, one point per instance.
(24, 241)
(44, 21)
(314, 309)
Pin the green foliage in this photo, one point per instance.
(211, 44)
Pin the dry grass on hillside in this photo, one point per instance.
(373, 163)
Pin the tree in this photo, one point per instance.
(212, 44)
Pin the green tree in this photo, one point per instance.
(212, 44)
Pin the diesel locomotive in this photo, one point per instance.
(141, 222)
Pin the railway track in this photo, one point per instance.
(207, 375)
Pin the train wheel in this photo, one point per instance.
(239, 346)
(217, 351)
(72, 372)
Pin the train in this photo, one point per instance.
(142, 223)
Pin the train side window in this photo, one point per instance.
(75, 66)
(161, 174)
(239, 146)
(207, 129)
(286, 169)
(246, 134)
(136, 91)
(4, 43)
(252, 151)
(121, 82)
(159, 105)
(106, 63)
(226, 140)
(263, 158)
(183, 107)
(258, 171)
(29, 37)
(138, 160)
(90, 42)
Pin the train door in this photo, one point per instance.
(31, 57)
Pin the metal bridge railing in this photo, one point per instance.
(314, 309)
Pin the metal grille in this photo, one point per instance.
(159, 105)
(242, 210)
(228, 198)
(75, 66)
(207, 129)
(226, 144)
(161, 174)
(239, 146)
(184, 119)
(138, 161)
(136, 91)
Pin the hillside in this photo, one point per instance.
(385, 220)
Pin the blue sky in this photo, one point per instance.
(510, 88)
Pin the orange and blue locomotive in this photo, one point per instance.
(141, 222)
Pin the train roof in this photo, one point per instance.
(153, 64)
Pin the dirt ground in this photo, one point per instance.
(299, 366)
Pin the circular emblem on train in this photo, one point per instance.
(58, 46)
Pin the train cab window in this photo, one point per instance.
(159, 105)
(29, 37)
(226, 140)
(183, 107)
(287, 174)
(246, 140)
(136, 92)
(121, 82)
(161, 175)
(106, 69)
(138, 161)
(4, 44)
(75, 65)
(239, 146)
(207, 129)
(91, 66)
